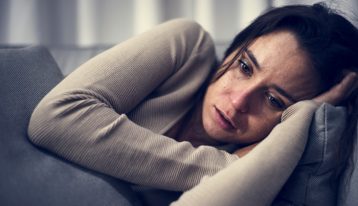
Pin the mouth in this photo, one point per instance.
(224, 121)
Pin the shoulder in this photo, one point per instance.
(184, 25)
(186, 31)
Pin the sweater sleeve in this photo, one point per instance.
(256, 178)
(83, 119)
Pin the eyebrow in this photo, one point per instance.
(277, 88)
(252, 57)
(284, 93)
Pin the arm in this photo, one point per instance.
(256, 178)
(84, 118)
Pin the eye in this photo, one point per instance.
(275, 102)
(244, 67)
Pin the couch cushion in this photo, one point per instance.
(348, 188)
(348, 195)
(28, 175)
(311, 182)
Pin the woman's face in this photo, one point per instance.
(247, 101)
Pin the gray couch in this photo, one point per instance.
(32, 176)
(29, 175)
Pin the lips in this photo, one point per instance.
(224, 121)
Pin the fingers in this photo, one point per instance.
(340, 91)
(346, 86)
(349, 84)
(354, 86)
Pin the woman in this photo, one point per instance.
(115, 113)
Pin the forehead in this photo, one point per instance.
(284, 63)
(280, 48)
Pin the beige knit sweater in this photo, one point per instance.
(110, 113)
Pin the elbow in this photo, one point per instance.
(62, 118)
(70, 118)
(39, 126)
(44, 125)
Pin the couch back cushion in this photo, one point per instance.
(31, 176)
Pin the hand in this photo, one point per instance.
(340, 91)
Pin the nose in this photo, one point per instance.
(242, 99)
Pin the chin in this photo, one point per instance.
(228, 138)
(223, 137)
(220, 135)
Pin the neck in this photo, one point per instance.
(193, 129)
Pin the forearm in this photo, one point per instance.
(99, 139)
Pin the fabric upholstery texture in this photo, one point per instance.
(28, 175)
(348, 190)
(310, 183)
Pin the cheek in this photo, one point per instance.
(217, 89)
(224, 83)
(262, 126)
(269, 124)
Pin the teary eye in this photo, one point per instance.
(275, 102)
(244, 67)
